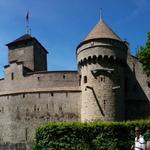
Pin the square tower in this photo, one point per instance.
(29, 51)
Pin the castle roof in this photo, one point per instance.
(23, 38)
(101, 30)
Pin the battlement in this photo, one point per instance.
(101, 60)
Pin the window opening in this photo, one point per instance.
(39, 95)
(52, 94)
(79, 80)
(34, 107)
(12, 76)
(66, 94)
(47, 106)
(26, 133)
(149, 84)
(23, 95)
(64, 77)
(85, 79)
(104, 104)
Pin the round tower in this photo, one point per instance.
(101, 58)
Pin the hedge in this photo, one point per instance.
(88, 136)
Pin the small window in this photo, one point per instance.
(23, 95)
(104, 104)
(52, 94)
(66, 94)
(34, 107)
(17, 108)
(26, 133)
(47, 106)
(39, 95)
(85, 79)
(149, 84)
(12, 76)
(64, 77)
(133, 67)
(2, 109)
(38, 78)
(60, 108)
(79, 80)
(102, 78)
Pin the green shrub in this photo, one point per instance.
(88, 136)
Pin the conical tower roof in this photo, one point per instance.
(101, 30)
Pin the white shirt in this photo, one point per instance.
(139, 143)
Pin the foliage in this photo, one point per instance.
(144, 54)
(88, 136)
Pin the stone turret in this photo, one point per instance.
(28, 50)
(101, 59)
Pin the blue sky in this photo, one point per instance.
(60, 25)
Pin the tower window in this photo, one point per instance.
(102, 78)
(66, 94)
(26, 133)
(149, 84)
(79, 80)
(39, 95)
(133, 67)
(12, 76)
(23, 95)
(2, 109)
(52, 94)
(104, 104)
(34, 107)
(64, 76)
(85, 79)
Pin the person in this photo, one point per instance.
(139, 140)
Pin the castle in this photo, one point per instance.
(109, 85)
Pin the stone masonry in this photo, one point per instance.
(109, 85)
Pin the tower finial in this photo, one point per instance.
(101, 14)
(28, 29)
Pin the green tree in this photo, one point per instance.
(144, 54)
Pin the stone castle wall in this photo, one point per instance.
(29, 100)
(137, 90)
(16, 81)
